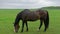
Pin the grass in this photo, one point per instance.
(7, 17)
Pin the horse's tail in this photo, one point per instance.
(47, 19)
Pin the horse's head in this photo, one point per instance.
(16, 27)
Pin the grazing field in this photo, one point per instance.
(7, 17)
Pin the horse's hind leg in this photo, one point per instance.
(41, 22)
(46, 26)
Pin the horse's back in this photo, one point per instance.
(33, 15)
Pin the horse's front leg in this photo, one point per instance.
(26, 26)
(22, 26)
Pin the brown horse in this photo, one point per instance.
(28, 15)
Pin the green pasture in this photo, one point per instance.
(7, 17)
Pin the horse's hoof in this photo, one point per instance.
(44, 31)
(21, 31)
(38, 30)
(15, 31)
(26, 31)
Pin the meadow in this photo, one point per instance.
(7, 18)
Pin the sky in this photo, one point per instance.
(27, 4)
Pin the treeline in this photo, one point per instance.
(51, 7)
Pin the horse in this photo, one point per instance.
(28, 15)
